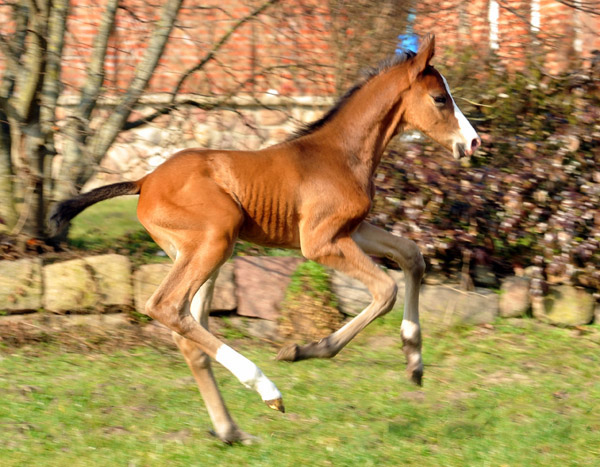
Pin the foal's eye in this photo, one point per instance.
(439, 100)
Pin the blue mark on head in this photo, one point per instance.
(407, 43)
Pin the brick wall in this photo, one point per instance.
(295, 32)
(260, 55)
(513, 30)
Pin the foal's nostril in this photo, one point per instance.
(475, 144)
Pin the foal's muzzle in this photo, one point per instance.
(460, 150)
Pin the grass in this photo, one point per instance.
(512, 394)
(111, 223)
(505, 395)
(312, 280)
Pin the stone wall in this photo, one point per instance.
(242, 124)
(255, 288)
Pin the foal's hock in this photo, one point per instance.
(311, 193)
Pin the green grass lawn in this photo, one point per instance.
(512, 395)
(113, 226)
(517, 394)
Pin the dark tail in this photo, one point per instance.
(66, 210)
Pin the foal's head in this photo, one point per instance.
(431, 109)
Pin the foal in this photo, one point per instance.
(311, 193)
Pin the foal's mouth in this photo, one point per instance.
(459, 151)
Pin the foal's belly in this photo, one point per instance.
(270, 224)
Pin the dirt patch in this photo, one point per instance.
(308, 318)
(88, 333)
(80, 333)
(505, 377)
(179, 437)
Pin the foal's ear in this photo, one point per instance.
(424, 55)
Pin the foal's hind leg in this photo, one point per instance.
(377, 242)
(199, 253)
(170, 306)
(199, 362)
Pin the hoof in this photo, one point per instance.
(235, 437)
(276, 404)
(416, 376)
(289, 353)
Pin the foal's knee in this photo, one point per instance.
(414, 263)
(387, 295)
(167, 313)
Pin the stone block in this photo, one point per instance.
(225, 297)
(149, 276)
(146, 280)
(566, 305)
(21, 285)
(447, 305)
(258, 328)
(353, 296)
(112, 276)
(69, 286)
(261, 284)
(515, 300)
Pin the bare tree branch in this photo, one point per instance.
(106, 135)
(591, 8)
(11, 57)
(168, 109)
(30, 80)
(8, 212)
(222, 102)
(16, 43)
(220, 43)
(95, 69)
(173, 105)
(77, 129)
(57, 23)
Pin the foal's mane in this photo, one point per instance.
(365, 76)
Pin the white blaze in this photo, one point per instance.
(467, 132)
(247, 372)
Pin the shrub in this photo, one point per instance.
(531, 196)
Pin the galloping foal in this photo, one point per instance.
(311, 193)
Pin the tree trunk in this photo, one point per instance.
(34, 210)
(80, 169)
(8, 212)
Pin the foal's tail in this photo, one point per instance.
(66, 210)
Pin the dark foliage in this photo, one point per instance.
(532, 195)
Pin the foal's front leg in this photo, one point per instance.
(344, 255)
(377, 242)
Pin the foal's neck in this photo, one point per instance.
(369, 120)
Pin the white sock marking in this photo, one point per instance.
(247, 372)
(408, 329)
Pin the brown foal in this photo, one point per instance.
(311, 193)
